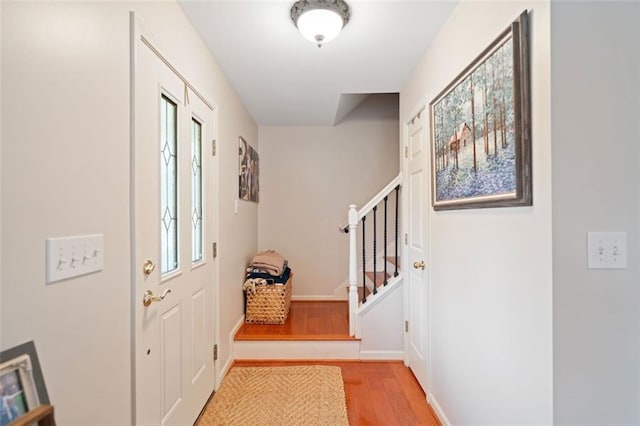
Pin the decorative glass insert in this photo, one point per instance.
(168, 185)
(196, 191)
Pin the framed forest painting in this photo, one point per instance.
(481, 127)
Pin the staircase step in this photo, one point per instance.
(307, 320)
(297, 337)
(296, 349)
(392, 260)
(313, 330)
(379, 277)
(367, 292)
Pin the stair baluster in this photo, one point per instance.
(386, 281)
(364, 261)
(375, 251)
(395, 274)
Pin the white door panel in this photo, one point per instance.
(174, 371)
(417, 183)
(198, 332)
(171, 361)
(416, 208)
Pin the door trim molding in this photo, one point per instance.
(134, 32)
(150, 44)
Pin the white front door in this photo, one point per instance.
(417, 186)
(173, 224)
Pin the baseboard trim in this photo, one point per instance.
(381, 355)
(437, 409)
(227, 365)
(223, 371)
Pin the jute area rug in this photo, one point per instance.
(300, 395)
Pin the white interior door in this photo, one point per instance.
(174, 223)
(417, 184)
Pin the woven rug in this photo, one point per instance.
(301, 395)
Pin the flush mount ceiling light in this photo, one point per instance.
(320, 21)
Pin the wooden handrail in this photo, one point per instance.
(374, 201)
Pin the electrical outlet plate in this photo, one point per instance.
(607, 250)
(73, 256)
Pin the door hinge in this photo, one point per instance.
(406, 326)
(215, 250)
(406, 152)
(406, 239)
(215, 352)
(213, 147)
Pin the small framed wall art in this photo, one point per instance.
(248, 172)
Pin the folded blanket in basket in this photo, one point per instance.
(270, 260)
(252, 269)
(271, 279)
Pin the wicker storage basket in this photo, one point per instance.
(269, 304)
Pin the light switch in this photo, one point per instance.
(73, 256)
(607, 250)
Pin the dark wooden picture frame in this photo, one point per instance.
(481, 129)
(248, 172)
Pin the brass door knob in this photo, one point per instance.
(149, 297)
(419, 265)
(148, 267)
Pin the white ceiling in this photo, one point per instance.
(285, 80)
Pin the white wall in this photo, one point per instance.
(1, 84)
(382, 327)
(308, 178)
(595, 69)
(65, 171)
(491, 322)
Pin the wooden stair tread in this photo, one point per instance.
(288, 337)
(310, 321)
(379, 277)
(392, 260)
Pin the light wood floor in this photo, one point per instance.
(306, 321)
(378, 393)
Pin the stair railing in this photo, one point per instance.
(356, 217)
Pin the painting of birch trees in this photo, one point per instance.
(478, 157)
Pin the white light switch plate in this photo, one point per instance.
(607, 250)
(73, 256)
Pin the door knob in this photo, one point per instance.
(149, 297)
(148, 267)
(419, 265)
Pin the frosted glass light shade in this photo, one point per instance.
(320, 25)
